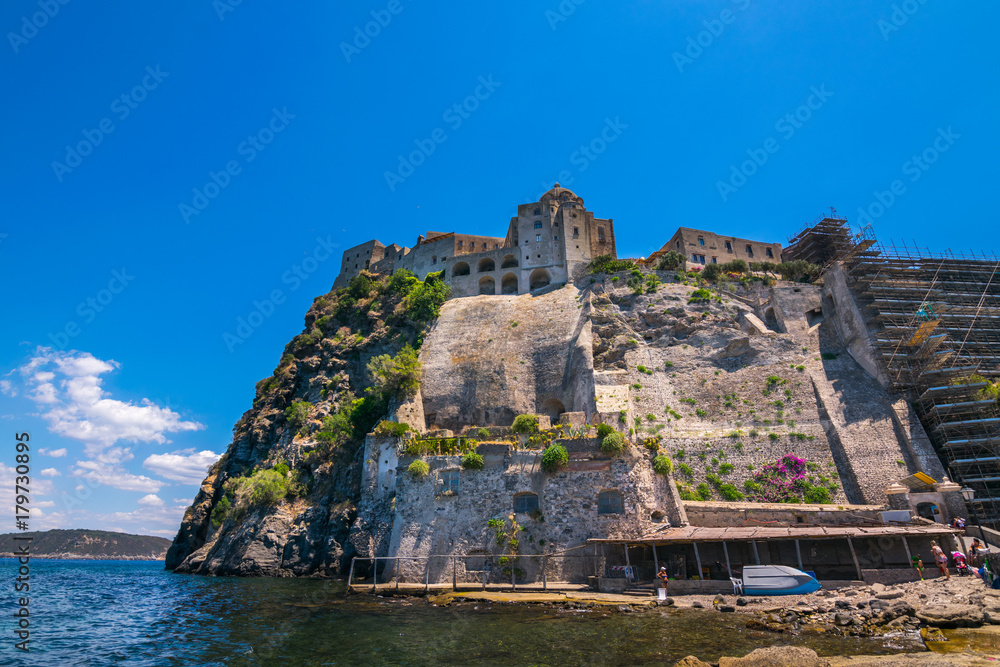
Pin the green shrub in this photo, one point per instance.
(264, 487)
(773, 436)
(281, 468)
(725, 468)
(525, 424)
(703, 491)
(423, 303)
(608, 264)
(472, 461)
(663, 465)
(483, 433)
(643, 369)
(668, 364)
(671, 261)
(686, 470)
(418, 469)
(554, 457)
(297, 415)
(604, 430)
(700, 296)
(700, 412)
(817, 495)
(613, 443)
(395, 377)
(221, 511)
(388, 428)
(729, 492)
(735, 266)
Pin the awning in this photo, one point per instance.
(690, 534)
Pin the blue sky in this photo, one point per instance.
(252, 137)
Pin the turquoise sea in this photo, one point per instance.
(135, 613)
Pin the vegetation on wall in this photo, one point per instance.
(525, 424)
(418, 468)
(671, 261)
(554, 457)
(613, 443)
(395, 377)
(608, 264)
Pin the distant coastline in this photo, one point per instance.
(83, 544)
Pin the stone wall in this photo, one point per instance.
(720, 515)
(427, 522)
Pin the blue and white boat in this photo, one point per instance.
(777, 580)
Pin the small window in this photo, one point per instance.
(768, 252)
(538, 224)
(576, 232)
(715, 260)
(538, 237)
(525, 503)
(556, 238)
(701, 240)
(460, 244)
(729, 247)
(538, 211)
(484, 245)
(610, 502)
(600, 234)
(749, 250)
(496, 245)
(694, 258)
(677, 243)
(449, 482)
(434, 259)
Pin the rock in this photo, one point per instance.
(727, 608)
(842, 619)
(890, 595)
(719, 599)
(741, 602)
(697, 605)
(691, 661)
(849, 593)
(842, 604)
(777, 656)
(902, 608)
(878, 588)
(952, 616)
(991, 617)
(624, 607)
(669, 602)
(735, 348)
(806, 610)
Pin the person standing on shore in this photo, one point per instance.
(941, 559)
(918, 565)
(662, 576)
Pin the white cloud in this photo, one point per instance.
(50, 472)
(75, 405)
(106, 468)
(185, 466)
(152, 500)
(7, 388)
(45, 503)
(54, 453)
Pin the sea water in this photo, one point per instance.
(136, 613)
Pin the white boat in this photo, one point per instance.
(777, 580)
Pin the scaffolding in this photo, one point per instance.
(826, 240)
(935, 325)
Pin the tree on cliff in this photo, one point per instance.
(395, 377)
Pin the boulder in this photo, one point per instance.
(691, 661)
(727, 608)
(719, 599)
(952, 616)
(741, 602)
(889, 595)
(735, 348)
(777, 656)
(842, 619)
(991, 617)
(878, 588)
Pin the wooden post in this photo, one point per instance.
(756, 554)
(656, 561)
(454, 576)
(397, 575)
(628, 565)
(697, 559)
(798, 554)
(906, 545)
(484, 573)
(375, 575)
(350, 575)
(854, 555)
(513, 581)
(545, 580)
(729, 567)
(427, 575)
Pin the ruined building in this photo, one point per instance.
(548, 242)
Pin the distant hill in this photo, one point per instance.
(88, 544)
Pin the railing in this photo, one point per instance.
(495, 570)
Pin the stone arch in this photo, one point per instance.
(553, 407)
(508, 262)
(486, 264)
(508, 285)
(539, 278)
(461, 269)
(487, 285)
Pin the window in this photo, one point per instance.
(610, 502)
(729, 247)
(525, 502)
(677, 243)
(749, 250)
(496, 245)
(434, 259)
(600, 234)
(538, 211)
(484, 245)
(701, 240)
(715, 260)
(538, 237)
(576, 232)
(768, 252)
(449, 482)
(460, 243)
(538, 224)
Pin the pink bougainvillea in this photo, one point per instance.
(781, 481)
